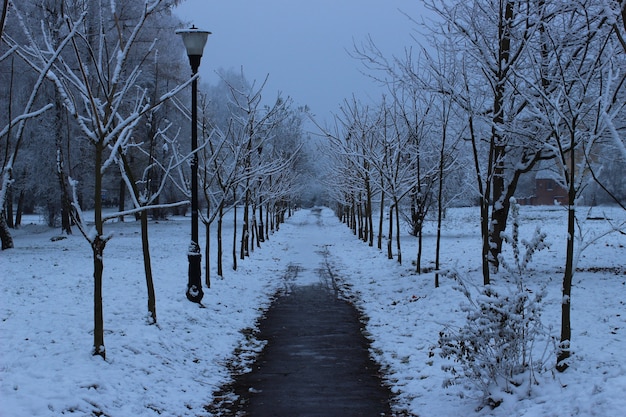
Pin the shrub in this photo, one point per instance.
(494, 350)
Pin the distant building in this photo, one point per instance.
(548, 191)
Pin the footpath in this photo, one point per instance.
(316, 360)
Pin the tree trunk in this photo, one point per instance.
(9, 208)
(98, 316)
(3, 15)
(256, 238)
(390, 234)
(359, 219)
(414, 212)
(20, 209)
(499, 212)
(207, 253)
(245, 230)
(252, 231)
(147, 266)
(484, 229)
(267, 222)
(97, 246)
(566, 330)
(353, 211)
(439, 220)
(380, 220)
(66, 204)
(122, 195)
(66, 213)
(368, 213)
(220, 218)
(418, 217)
(145, 244)
(564, 350)
(442, 152)
(418, 261)
(5, 233)
(397, 205)
(484, 189)
(261, 230)
(235, 234)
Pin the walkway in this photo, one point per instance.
(316, 360)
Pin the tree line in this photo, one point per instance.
(494, 91)
(97, 117)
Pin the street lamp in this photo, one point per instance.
(194, 40)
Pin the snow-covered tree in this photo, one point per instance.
(244, 162)
(14, 130)
(579, 97)
(98, 81)
(492, 38)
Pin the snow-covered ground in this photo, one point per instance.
(46, 368)
(407, 313)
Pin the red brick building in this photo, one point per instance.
(548, 191)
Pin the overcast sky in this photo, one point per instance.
(302, 45)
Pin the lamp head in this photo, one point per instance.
(194, 40)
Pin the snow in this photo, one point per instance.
(173, 368)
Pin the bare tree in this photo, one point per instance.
(96, 91)
(492, 38)
(352, 148)
(243, 161)
(416, 113)
(579, 99)
(451, 134)
(144, 193)
(377, 152)
(15, 128)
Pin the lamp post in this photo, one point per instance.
(194, 40)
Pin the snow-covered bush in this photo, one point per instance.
(494, 350)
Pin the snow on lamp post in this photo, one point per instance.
(194, 40)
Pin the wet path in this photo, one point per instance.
(316, 360)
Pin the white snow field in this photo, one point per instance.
(173, 368)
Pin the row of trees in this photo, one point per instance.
(103, 87)
(502, 86)
(253, 161)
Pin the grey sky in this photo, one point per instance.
(302, 45)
